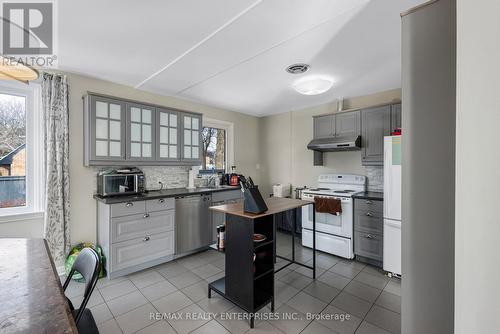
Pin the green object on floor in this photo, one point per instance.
(73, 254)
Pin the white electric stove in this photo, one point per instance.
(334, 233)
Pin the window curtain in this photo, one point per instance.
(56, 126)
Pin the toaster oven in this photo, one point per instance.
(125, 181)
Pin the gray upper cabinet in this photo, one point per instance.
(191, 137)
(119, 132)
(342, 124)
(395, 116)
(104, 130)
(167, 135)
(141, 123)
(347, 124)
(375, 124)
(324, 126)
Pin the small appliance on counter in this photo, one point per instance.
(193, 172)
(233, 178)
(298, 192)
(123, 181)
(282, 190)
(396, 132)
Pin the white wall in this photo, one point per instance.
(477, 255)
(284, 139)
(82, 205)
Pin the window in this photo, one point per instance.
(12, 150)
(21, 166)
(218, 145)
(214, 149)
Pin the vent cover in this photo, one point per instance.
(297, 68)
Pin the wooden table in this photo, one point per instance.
(31, 295)
(249, 284)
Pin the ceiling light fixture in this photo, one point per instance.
(298, 68)
(12, 69)
(313, 85)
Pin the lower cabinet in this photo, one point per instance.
(369, 231)
(136, 235)
(128, 227)
(130, 253)
(368, 245)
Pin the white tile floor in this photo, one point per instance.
(343, 288)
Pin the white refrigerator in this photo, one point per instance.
(392, 204)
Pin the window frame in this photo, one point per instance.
(229, 145)
(35, 166)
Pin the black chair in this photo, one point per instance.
(87, 263)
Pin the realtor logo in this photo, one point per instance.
(27, 28)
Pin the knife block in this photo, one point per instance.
(253, 201)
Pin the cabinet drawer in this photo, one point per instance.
(160, 204)
(140, 250)
(369, 205)
(369, 245)
(129, 227)
(219, 196)
(128, 208)
(368, 221)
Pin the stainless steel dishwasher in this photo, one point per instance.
(193, 223)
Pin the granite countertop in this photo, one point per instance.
(154, 194)
(371, 195)
(31, 294)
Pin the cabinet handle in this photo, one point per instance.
(129, 204)
(161, 200)
(369, 214)
(146, 239)
(369, 236)
(146, 215)
(369, 202)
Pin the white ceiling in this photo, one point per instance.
(233, 53)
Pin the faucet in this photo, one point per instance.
(213, 179)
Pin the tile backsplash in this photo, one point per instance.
(170, 176)
(375, 176)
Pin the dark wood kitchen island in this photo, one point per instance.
(247, 283)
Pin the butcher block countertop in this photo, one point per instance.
(31, 295)
(274, 205)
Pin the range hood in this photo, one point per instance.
(335, 144)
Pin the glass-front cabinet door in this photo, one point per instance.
(191, 137)
(107, 130)
(141, 121)
(167, 135)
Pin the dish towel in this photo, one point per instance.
(328, 205)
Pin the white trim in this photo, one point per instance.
(229, 127)
(20, 217)
(34, 151)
